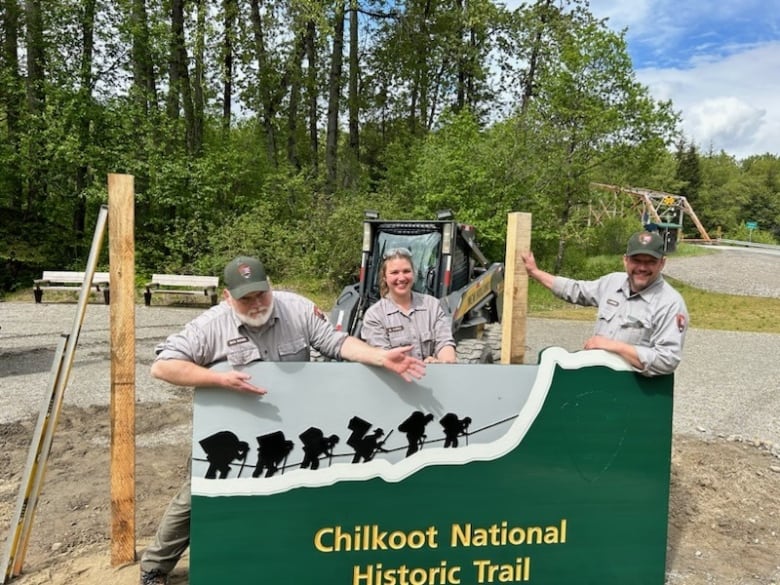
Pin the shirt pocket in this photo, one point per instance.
(636, 330)
(398, 336)
(296, 350)
(243, 354)
(427, 344)
(605, 321)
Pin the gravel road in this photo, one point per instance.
(751, 272)
(727, 385)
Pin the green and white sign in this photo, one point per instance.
(346, 475)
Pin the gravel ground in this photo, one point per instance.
(753, 272)
(727, 384)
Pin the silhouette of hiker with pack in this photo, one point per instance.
(272, 452)
(315, 445)
(366, 446)
(454, 428)
(414, 427)
(221, 450)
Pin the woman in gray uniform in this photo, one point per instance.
(403, 317)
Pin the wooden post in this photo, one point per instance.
(515, 311)
(121, 222)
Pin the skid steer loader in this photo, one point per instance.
(449, 265)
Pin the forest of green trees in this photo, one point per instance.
(269, 126)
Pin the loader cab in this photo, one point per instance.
(440, 259)
(425, 249)
(447, 262)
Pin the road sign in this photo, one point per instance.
(751, 225)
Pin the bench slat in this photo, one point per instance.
(72, 281)
(182, 284)
(184, 280)
(70, 277)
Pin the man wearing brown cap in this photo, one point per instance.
(640, 316)
(252, 323)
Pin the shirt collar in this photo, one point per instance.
(417, 304)
(649, 291)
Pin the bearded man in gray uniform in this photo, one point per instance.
(641, 317)
(251, 323)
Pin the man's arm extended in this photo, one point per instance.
(186, 373)
(396, 360)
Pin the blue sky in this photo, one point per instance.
(717, 60)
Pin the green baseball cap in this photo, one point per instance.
(650, 243)
(245, 275)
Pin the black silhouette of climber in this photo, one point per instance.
(272, 450)
(365, 446)
(359, 428)
(221, 450)
(454, 428)
(414, 427)
(316, 444)
(370, 445)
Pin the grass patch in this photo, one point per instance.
(322, 292)
(685, 250)
(724, 312)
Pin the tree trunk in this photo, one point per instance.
(11, 96)
(418, 108)
(296, 72)
(85, 122)
(313, 95)
(180, 92)
(36, 98)
(529, 83)
(198, 101)
(334, 95)
(460, 96)
(230, 9)
(265, 93)
(353, 98)
(144, 80)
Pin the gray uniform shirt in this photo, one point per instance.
(296, 325)
(654, 320)
(426, 328)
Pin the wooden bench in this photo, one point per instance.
(182, 284)
(70, 281)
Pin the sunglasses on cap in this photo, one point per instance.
(395, 252)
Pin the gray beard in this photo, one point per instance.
(258, 321)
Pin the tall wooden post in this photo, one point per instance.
(515, 311)
(121, 222)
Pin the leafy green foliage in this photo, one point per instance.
(438, 127)
(743, 234)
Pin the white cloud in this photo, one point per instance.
(726, 120)
(718, 61)
(727, 104)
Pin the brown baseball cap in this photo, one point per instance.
(650, 243)
(245, 275)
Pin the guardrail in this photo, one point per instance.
(747, 244)
(721, 241)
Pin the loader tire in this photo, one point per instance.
(492, 335)
(473, 351)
